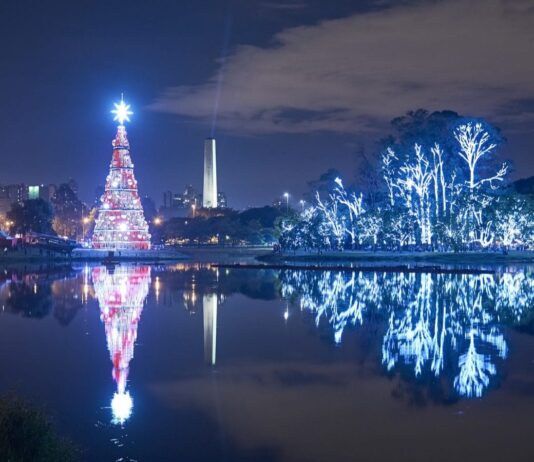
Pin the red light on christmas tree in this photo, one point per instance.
(121, 224)
(121, 294)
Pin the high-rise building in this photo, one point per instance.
(43, 191)
(14, 192)
(209, 197)
(47, 191)
(33, 192)
(167, 199)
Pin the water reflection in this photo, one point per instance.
(433, 327)
(209, 308)
(38, 293)
(121, 294)
(440, 324)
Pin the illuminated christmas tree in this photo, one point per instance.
(121, 294)
(121, 224)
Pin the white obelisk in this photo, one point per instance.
(209, 197)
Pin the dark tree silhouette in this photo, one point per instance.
(31, 215)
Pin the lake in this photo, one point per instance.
(197, 363)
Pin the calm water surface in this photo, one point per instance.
(194, 363)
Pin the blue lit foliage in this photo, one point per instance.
(432, 320)
(439, 191)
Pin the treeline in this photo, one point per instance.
(63, 215)
(255, 226)
(435, 184)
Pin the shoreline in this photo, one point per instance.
(402, 258)
(263, 257)
(357, 269)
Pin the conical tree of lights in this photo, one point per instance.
(121, 224)
(121, 294)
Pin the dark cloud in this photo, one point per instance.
(472, 56)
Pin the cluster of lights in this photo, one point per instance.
(121, 295)
(431, 200)
(120, 223)
(430, 316)
(8, 224)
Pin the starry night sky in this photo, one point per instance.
(298, 86)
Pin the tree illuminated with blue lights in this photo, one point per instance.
(443, 193)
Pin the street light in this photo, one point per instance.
(286, 195)
(193, 206)
(157, 221)
(85, 220)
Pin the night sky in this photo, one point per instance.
(296, 86)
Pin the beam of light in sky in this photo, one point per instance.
(220, 77)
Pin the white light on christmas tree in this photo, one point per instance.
(122, 112)
(120, 223)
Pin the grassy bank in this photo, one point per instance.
(225, 254)
(27, 434)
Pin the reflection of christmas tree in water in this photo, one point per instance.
(121, 223)
(121, 294)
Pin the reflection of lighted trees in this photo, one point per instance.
(475, 369)
(428, 316)
(121, 293)
(333, 296)
(409, 335)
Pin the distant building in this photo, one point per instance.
(209, 194)
(45, 192)
(188, 199)
(167, 199)
(33, 192)
(221, 200)
(14, 192)
(180, 205)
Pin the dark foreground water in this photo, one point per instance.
(191, 363)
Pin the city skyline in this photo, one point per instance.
(67, 70)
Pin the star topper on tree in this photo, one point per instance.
(122, 111)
